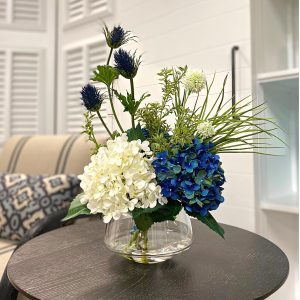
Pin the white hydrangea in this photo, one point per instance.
(194, 81)
(119, 178)
(206, 129)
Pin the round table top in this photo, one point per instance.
(73, 263)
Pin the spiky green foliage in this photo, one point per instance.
(154, 118)
(171, 80)
(88, 129)
(238, 129)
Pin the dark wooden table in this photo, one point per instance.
(73, 263)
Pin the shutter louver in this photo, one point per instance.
(75, 10)
(26, 12)
(85, 10)
(74, 82)
(96, 6)
(2, 97)
(80, 63)
(97, 56)
(24, 93)
(2, 10)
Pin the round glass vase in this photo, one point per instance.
(160, 242)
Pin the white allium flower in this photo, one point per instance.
(119, 178)
(194, 81)
(206, 129)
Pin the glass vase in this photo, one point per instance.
(160, 242)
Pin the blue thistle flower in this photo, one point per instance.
(91, 98)
(117, 37)
(126, 63)
(192, 176)
(146, 133)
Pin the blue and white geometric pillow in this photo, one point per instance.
(25, 200)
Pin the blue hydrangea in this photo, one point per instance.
(192, 176)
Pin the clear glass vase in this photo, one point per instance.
(159, 243)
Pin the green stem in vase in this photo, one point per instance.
(138, 241)
(144, 238)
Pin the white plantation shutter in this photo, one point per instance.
(26, 12)
(22, 14)
(2, 96)
(96, 6)
(80, 63)
(97, 55)
(24, 99)
(79, 11)
(75, 10)
(74, 81)
(3, 11)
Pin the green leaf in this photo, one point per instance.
(176, 169)
(210, 221)
(200, 176)
(105, 74)
(145, 217)
(143, 222)
(127, 102)
(136, 133)
(76, 208)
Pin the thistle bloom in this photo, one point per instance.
(119, 178)
(117, 37)
(194, 81)
(126, 63)
(193, 176)
(91, 97)
(206, 130)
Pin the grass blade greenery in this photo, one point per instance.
(237, 128)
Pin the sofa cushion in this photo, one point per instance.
(47, 154)
(25, 200)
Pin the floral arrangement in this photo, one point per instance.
(169, 159)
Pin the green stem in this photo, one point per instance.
(132, 88)
(132, 94)
(138, 241)
(109, 56)
(144, 238)
(132, 121)
(113, 109)
(103, 123)
(194, 109)
(95, 141)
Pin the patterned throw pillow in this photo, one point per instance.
(25, 200)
